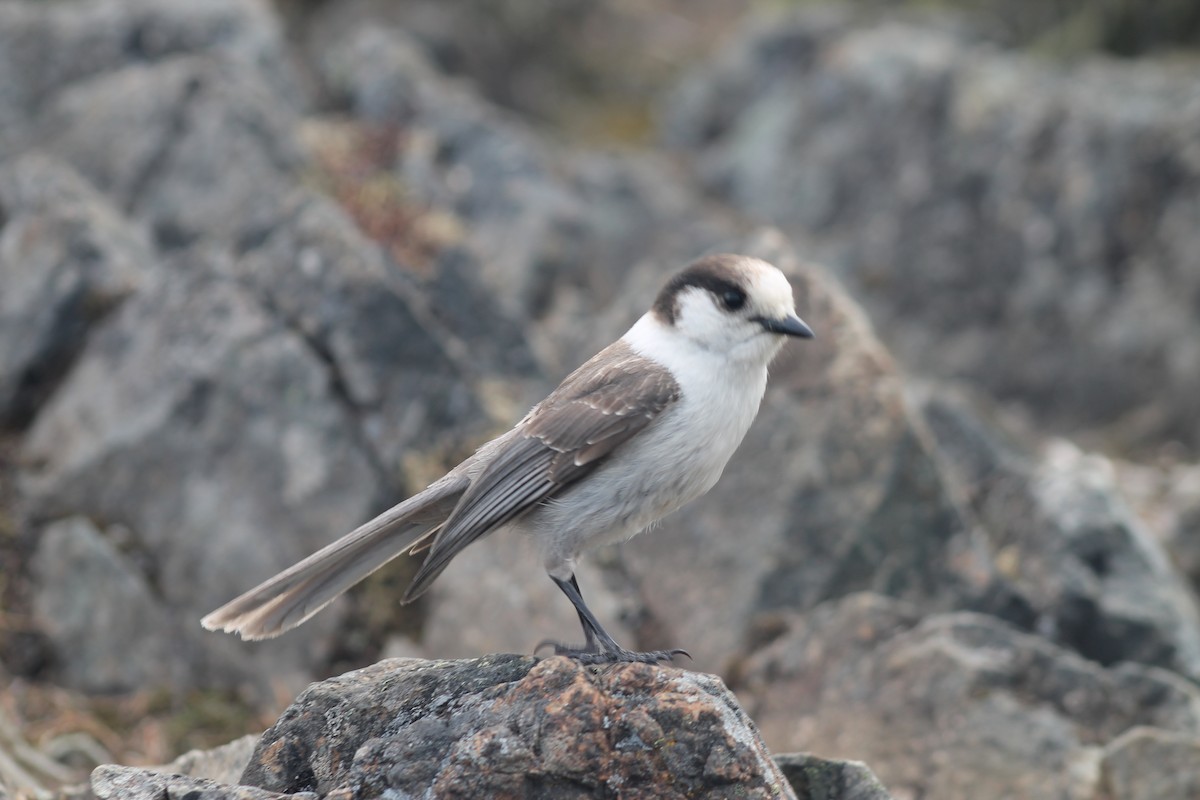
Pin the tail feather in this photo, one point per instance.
(291, 597)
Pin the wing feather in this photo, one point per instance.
(599, 407)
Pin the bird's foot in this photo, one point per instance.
(619, 655)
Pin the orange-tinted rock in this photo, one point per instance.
(516, 726)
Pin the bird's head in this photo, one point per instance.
(732, 304)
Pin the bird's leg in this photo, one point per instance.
(595, 637)
(599, 646)
(588, 622)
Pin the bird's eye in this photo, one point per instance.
(733, 299)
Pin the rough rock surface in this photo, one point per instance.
(181, 389)
(1151, 764)
(503, 726)
(554, 233)
(814, 778)
(223, 764)
(110, 782)
(516, 727)
(208, 774)
(67, 259)
(810, 778)
(94, 603)
(194, 147)
(1028, 228)
(960, 704)
(171, 425)
(1094, 576)
(397, 351)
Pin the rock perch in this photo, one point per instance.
(514, 726)
(499, 726)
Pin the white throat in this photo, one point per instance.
(653, 339)
(712, 383)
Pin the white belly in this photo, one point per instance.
(677, 458)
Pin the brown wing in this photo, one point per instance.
(594, 411)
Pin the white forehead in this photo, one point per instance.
(766, 285)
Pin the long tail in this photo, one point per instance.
(291, 597)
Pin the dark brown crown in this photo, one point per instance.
(716, 274)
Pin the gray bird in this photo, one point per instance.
(643, 427)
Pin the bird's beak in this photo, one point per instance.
(791, 325)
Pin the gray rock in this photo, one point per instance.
(172, 423)
(199, 422)
(411, 359)
(223, 764)
(814, 778)
(1024, 226)
(515, 726)
(551, 232)
(376, 72)
(1095, 577)
(518, 56)
(243, 410)
(955, 705)
(1165, 496)
(112, 782)
(47, 46)
(95, 607)
(1185, 543)
(1150, 764)
(194, 147)
(67, 259)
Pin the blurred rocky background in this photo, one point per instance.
(266, 269)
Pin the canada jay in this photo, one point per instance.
(640, 429)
